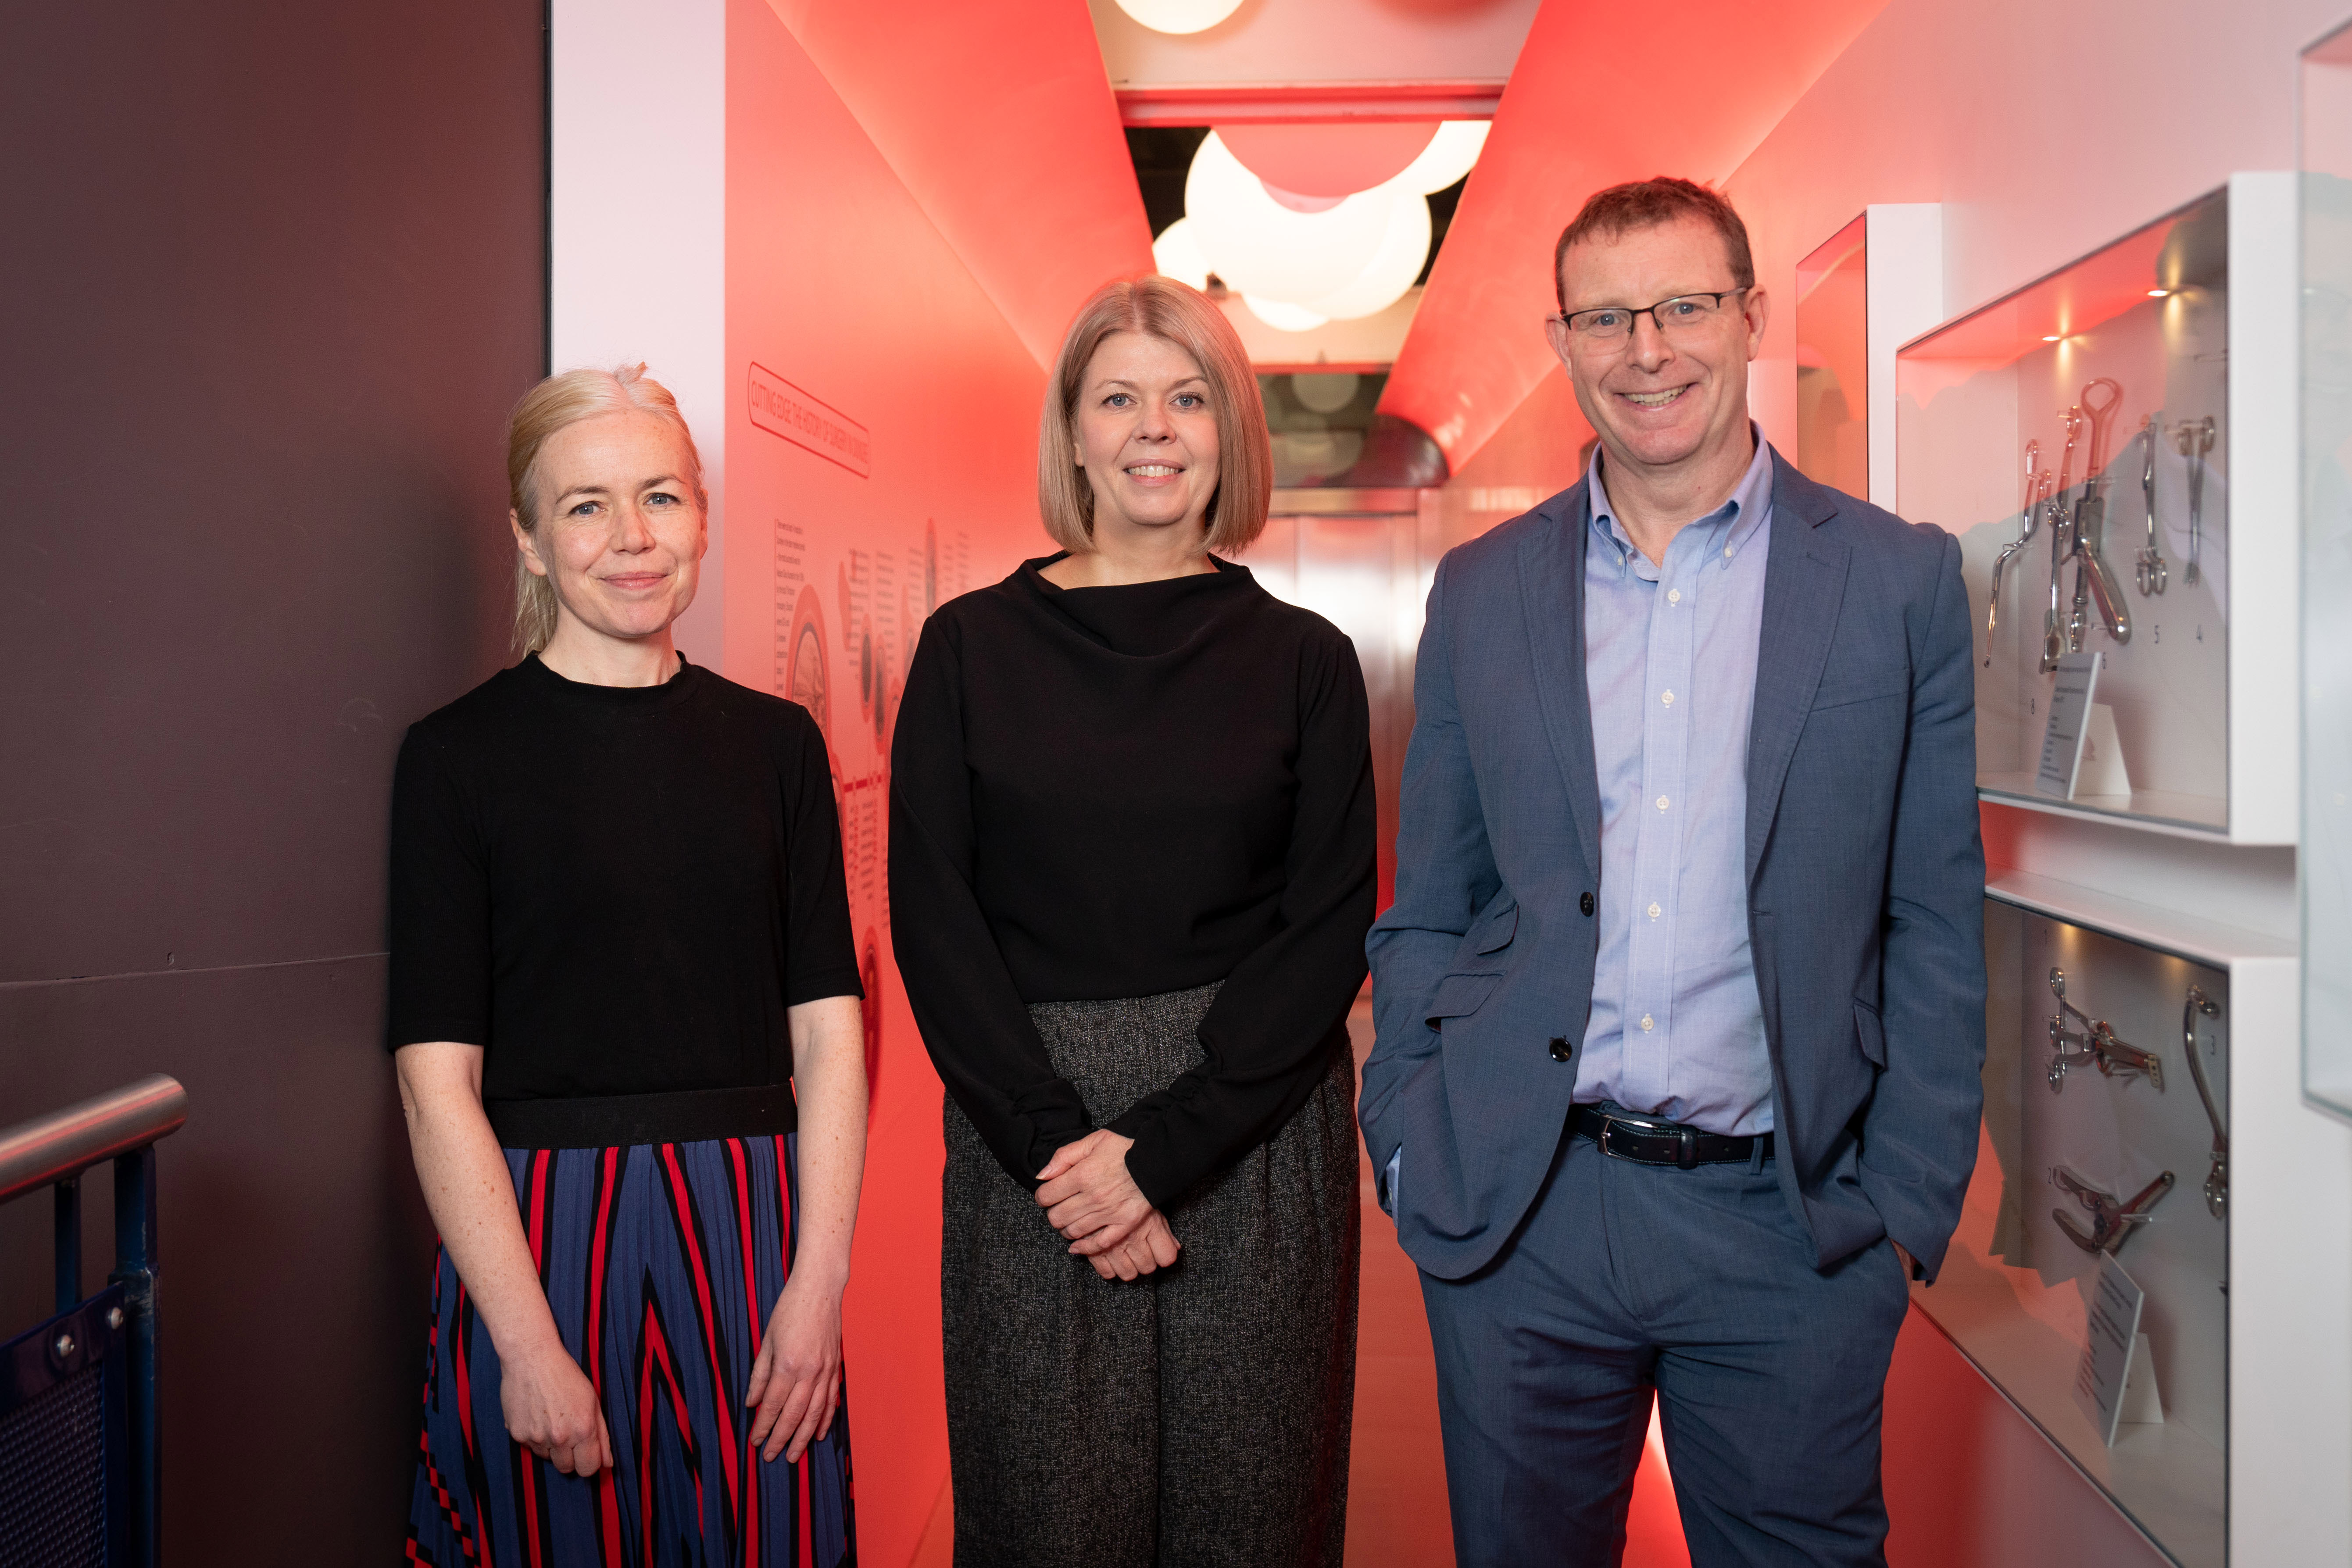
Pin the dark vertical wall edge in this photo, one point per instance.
(275, 274)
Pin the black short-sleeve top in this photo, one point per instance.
(616, 890)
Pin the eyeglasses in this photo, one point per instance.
(1612, 323)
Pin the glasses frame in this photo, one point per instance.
(1567, 318)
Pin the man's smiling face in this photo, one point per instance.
(1657, 399)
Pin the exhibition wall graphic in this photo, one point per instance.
(881, 433)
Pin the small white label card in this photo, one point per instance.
(2070, 711)
(2112, 1302)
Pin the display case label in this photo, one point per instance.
(2070, 711)
(2111, 1333)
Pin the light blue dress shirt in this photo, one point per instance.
(1670, 651)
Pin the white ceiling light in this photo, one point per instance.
(1177, 253)
(1260, 247)
(1179, 15)
(1281, 316)
(1448, 157)
(1391, 267)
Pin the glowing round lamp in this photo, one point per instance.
(1391, 267)
(1326, 392)
(1260, 247)
(1179, 15)
(1448, 157)
(1282, 317)
(1177, 253)
(1327, 160)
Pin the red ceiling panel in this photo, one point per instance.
(1602, 94)
(998, 118)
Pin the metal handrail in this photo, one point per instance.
(64, 1143)
(52, 1152)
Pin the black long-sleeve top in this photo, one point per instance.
(1103, 793)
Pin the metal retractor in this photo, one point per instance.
(2113, 1219)
(2095, 1042)
(2150, 569)
(2217, 1174)
(2037, 491)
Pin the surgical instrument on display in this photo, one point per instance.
(2035, 481)
(2217, 1175)
(2150, 569)
(2112, 1219)
(2194, 440)
(2054, 633)
(2093, 583)
(2095, 1041)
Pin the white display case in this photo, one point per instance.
(2107, 1143)
(2327, 562)
(2111, 439)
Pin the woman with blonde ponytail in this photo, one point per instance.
(624, 1021)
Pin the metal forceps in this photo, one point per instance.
(2217, 1174)
(2093, 583)
(2037, 484)
(2193, 438)
(2054, 633)
(2112, 1219)
(2149, 569)
(2095, 1042)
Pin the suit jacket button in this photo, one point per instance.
(1560, 1049)
(1585, 903)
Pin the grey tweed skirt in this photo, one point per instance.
(1199, 1416)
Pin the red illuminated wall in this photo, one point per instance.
(880, 459)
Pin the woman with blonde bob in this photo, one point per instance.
(625, 1020)
(1130, 876)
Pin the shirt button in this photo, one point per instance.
(1654, 910)
(1727, 553)
(1647, 1024)
(1662, 803)
(1668, 700)
(1674, 595)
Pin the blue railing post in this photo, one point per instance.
(68, 1243)
(134, 1269)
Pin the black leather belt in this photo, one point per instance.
(1654, 1141)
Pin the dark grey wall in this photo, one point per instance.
(270, 276)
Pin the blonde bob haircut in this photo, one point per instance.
(561, 400)
(1160, 308)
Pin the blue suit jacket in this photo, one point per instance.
(1865, 881)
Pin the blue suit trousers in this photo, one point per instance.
(1700, 1285)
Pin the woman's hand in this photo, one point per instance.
(1154, 1246)
(796, 1380)
(1087, 1195)
(550, 1408)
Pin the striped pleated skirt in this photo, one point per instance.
(661, 1263)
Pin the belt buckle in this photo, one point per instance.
(1685, 1138)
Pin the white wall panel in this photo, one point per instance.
(638, 222)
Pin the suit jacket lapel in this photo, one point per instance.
(1805, 582)
(1551, 599)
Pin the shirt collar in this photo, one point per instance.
(1733, 523)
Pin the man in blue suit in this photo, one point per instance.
(1681, 1001)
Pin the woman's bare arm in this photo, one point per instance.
(796, 1380)
(550, 1405)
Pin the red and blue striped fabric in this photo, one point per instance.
(665, 1260)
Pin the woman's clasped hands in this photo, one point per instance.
(1090, 1199)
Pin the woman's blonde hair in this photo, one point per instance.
(1160, 308)
(560, 400)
